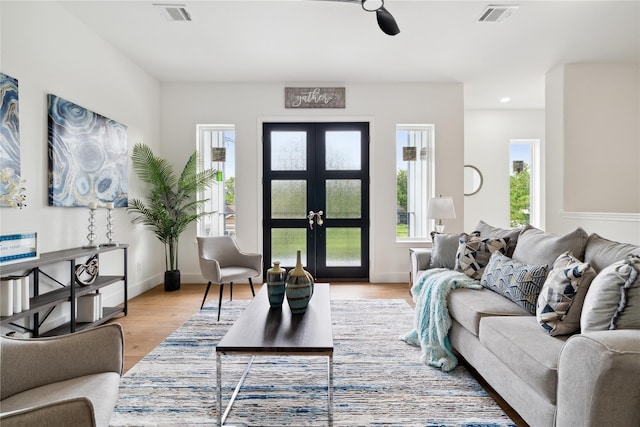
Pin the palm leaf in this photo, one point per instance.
(171, 205)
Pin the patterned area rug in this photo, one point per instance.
(378, 379)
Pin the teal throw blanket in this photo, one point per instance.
(432, 320)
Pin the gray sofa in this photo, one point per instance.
(69, 380)
(587, 379)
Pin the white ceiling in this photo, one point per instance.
(328, 42)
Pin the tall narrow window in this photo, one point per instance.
(415, 180)
(524, 182)
(216, 150)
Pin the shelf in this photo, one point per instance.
(48, 258)
(45, 302)
(108, 313)
(55, 297)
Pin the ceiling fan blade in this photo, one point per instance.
(386, 22)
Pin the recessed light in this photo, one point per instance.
(505, 99)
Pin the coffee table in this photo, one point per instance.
(262, 331)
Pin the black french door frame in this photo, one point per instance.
(316, 176)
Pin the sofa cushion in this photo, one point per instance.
(474, 253)
(601, 252)
(562, 296)
(518, 281)
(468, 306)
(444, 249)
(101, 389)
(526, 348)
(539, 247)
(613, 300)
(487, 230)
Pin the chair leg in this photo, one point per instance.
(230, 291)
(205, 295)
(220, 300)
(251, 284)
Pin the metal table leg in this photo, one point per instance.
(223, 417)
(219, 386)
(330, 388)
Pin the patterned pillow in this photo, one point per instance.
(474, 253)
(562, 296)
(487, 230)
(519, 282)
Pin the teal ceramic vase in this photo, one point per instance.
(299, 287)
(276, 283)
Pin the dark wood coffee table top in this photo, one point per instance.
(262, 329)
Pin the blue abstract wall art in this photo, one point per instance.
(88, 156)
(9, 126)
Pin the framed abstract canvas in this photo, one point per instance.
(88, 156)
(9, 129)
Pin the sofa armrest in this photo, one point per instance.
(598, 380)
(419, 260)
(70, 412)
(50, 360)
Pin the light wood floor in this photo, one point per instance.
(155, 314)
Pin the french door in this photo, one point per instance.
(316, 197)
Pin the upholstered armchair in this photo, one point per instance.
(221, 261)
(68, 380)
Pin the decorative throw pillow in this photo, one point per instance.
(539, 247)
(444, 249)
(474, 253)
(562, 296)
(613, 300)
(519, 282)
(487, 230)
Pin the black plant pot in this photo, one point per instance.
(172, 280)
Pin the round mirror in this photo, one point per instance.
(472, 180)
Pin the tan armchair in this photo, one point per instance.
(222, 262)
(68, 380)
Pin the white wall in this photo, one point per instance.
(601, 135)
(385, 105)
(49, 51)
(486, 146)
(593, 150)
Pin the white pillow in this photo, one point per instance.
(613, 300)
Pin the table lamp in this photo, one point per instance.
(439, 208)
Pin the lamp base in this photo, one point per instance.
(440, 228)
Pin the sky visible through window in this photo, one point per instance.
(519, 151)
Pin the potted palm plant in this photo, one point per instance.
(170, 204)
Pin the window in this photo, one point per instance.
(524, 182)
(415, 180)
(216, 149)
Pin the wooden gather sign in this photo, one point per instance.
(314, 97)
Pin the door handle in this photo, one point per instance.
(317, 216)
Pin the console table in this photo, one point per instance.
(41, 305)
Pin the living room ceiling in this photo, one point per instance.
(332, 42)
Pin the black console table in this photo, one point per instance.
(41, 305)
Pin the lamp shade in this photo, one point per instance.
(441, 207)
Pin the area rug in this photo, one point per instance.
(378, 379)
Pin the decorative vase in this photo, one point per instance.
(276, 283)
(172, 280)
(299, 287)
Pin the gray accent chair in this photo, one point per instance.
(68, 380)
(221, 261)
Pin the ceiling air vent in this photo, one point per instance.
(495, 13)
(174, 12)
